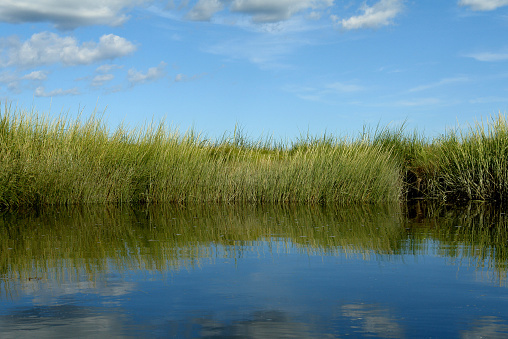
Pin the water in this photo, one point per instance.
(254, 272)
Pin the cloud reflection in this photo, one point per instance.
(61, 321)
(373, 320)
(264, 324)
(487, 327)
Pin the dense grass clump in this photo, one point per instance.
(64, 161)
(473, 165)
(460, 165)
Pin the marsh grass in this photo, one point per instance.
(463, 164)
(64, 161)
(473, 164)
(46, 161)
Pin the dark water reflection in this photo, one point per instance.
(255, 272)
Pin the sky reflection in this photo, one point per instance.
(221, 273)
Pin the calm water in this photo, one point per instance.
(254, 272)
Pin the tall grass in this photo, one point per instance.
(473, 164)
(47, 161)
(63, 161)
(463, 164)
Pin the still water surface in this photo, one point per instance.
(254, 272)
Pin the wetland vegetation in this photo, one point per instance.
(64, 161)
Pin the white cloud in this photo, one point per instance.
(488, 56)
(184, 78)
(273, 11)
(183, 4)
(204, 10)
(135, 77)
(47, 48)
(314, 16)
(380, 14)
(169, 5)
(261, 11)
(67, 14)
(99, 80)
(483, 5)
(107, 68)
(41, 92)
(11, 80)
(36, 75)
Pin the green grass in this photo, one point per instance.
(474, 163)
(66, 161)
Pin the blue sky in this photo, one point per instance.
(278, 68)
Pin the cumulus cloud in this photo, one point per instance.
(483, 5)
(48, 48)
(41, 92)
(378, 15)
(261, 11)
(99, 80)
(13, 80)
(36, 75)
(154, 73)
(314, 15)
(67, 14)
(204, 10)
(273, 11)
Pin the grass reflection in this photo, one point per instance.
(71, 243)
(474, 235)
(82, 243)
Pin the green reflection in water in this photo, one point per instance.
(475, 235)
(82, 243)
